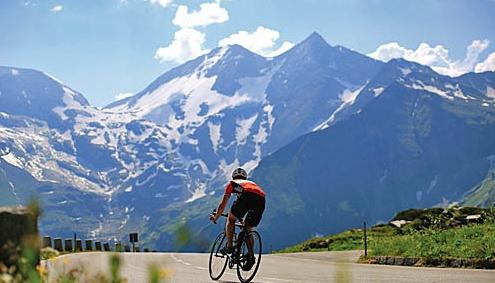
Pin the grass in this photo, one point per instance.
(482, 194)
(428, 233)
(475, 241)
(345, 241)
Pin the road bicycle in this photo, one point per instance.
(242, 242)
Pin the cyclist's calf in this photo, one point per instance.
(229, 228)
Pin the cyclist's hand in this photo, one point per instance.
(213, 218)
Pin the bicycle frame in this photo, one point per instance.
(238, 241)
(243, 252)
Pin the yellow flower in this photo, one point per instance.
(166, 272)
(41, 269)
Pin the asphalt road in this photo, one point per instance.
(300, 267)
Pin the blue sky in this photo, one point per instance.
(107, 47)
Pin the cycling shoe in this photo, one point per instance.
(226, 250)
(250, 260)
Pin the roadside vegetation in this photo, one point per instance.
(27, 273)
(345, 241)
(456, 232)
(475, 241)
(28, 263)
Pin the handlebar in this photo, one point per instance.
(239, 223)
(215, 212)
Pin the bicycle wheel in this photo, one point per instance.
(218, 261)
(245, 273)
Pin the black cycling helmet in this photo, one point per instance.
(239, 173)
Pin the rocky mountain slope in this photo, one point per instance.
(422, 140)
(339, 135)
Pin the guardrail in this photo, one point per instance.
(76, 245)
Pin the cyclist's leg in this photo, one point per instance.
(249, 240)
(253, 219)
(229, 229)
(237, 211)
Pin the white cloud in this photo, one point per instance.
(261, 41)
(123, 95)
(163, 3)
(57, 8)
(487, 65)
(473, 52)
(209, 13)
(286, 45)
(187, 44)
(436, 57)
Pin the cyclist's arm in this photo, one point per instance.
(222, 205)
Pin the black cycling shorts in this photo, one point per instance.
(252, 203)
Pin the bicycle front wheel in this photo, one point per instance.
(218, 261)
(250, 251)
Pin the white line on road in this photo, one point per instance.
(230, 273)
(278, 279)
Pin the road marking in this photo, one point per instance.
(278, 279)
(230, 273)
(178, 260)
(186, 263)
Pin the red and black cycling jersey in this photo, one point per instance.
(241, 186)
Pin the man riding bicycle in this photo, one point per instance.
(250, 198)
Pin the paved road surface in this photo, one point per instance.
(297, 268)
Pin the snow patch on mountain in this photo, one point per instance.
(212, 60)
(456, 90)
(260, 137)
(255, 87)
(347, 97)
(490, 92)
(377, 91)
(179, 103)
(405, 71)
(433, 184)
(418, 85)
(244, 129)
(215, 137)
(70, 103)
(268, 109)
(53, 78)
(31, 150)
(198, 193)
(12, 160)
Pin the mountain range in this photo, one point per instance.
(332, 135)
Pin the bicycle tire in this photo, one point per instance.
(217, 245)
(258, 250)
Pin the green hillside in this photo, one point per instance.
(425, 233)
(483, 194)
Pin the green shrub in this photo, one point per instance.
(471, 241)
(47, 253)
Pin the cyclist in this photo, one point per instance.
(250, 198)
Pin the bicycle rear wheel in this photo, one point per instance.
(218, 261)
(245, 273)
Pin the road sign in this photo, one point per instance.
(133, 237)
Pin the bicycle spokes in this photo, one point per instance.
(218, 261)
(250, 257)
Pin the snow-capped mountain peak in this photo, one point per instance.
(177, 140)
